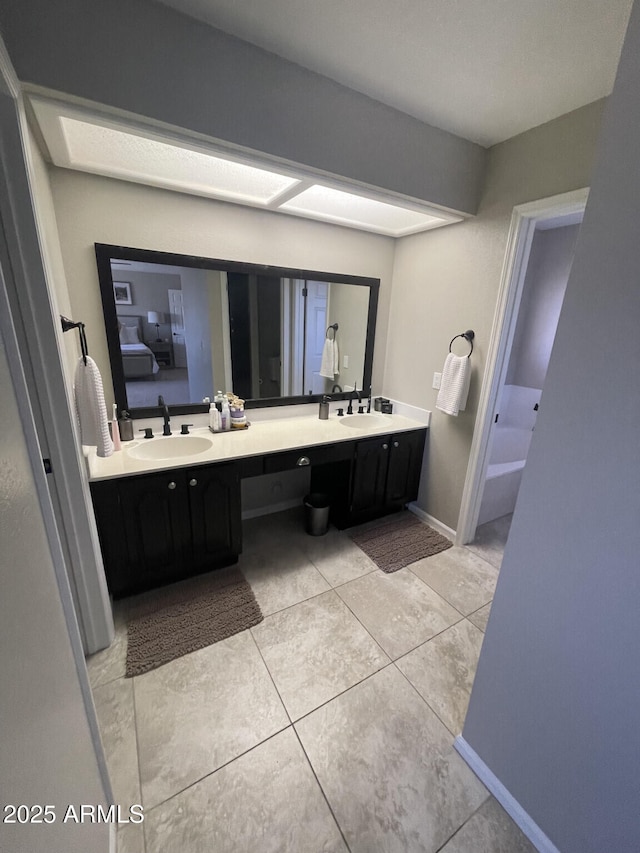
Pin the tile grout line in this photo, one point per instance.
(413, 648)
(426, 702)
(342, 692)
(322, 791)
(266, 666)
(464, 823)
(464, 615)
(222, 766)
(135, 727)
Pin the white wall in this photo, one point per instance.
(555, 705)
(544, 286)
(152, 61)
(446, 281)
(46, 751)
(92, 209)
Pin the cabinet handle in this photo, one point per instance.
(304, 460)
(385, 446)
(193, 482)
(395, 444)
(172, 485)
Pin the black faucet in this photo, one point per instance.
(166, 429)
(353, 391)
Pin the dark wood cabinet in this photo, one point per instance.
(162, 527)
(155, 518)
(406, 450)
(158, 528)
(369, 477)
(214, 506)
(385, 474)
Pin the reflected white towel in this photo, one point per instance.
(330, 364)
(454, 387)
(91, 408)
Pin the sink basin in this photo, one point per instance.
(170, 447)
(362, 421)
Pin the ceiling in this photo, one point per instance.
(485, 70)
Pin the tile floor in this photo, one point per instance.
(327, 727)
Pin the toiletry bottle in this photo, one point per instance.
(214, 418)
(324, 408)
(126, 426)
(115, 430)
(225, 415)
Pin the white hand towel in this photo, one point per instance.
(336, 358)
(91, 408)
(454, 386)
(328, 359)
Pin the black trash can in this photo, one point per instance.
(316, 514)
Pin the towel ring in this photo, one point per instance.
(469, 335)
(333, 326)
(67, 325)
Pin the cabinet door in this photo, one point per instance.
(214, 501)
(113, 542)
(405, 463)
(155, 512)
(369, 476)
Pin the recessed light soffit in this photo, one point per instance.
(78, 140)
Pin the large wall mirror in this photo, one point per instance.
(185, 327)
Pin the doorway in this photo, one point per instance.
(539, 255)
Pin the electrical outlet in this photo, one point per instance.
(345, 361)
(437, 380)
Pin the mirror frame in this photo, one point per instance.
(104, 254)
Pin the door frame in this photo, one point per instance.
(22, 271)
(524, 220)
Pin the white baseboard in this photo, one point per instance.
(431, 521)
(271, 508)
(529, 827)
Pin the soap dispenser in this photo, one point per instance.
(323, 414)
(126, 426)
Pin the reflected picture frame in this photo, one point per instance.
(122, 293)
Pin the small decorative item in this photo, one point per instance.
(122, 293)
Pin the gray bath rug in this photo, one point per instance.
(396, 542)
(167, 623)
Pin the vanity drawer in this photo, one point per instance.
(319, 455)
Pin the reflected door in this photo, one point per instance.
(177, 328)
(316, 327)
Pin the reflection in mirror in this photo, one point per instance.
(191, 326)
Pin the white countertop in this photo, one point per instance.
(262, 437)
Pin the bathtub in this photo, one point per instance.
(508, 454)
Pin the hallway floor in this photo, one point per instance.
(327, 727)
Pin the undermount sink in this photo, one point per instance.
(362, 421)
(170, 447)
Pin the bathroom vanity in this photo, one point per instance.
(164, 517)
(170, 507)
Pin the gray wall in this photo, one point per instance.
(555, 706)
(46, 751)
(198, 333)
(149, 292)
(447, 280)
(179, 71)
(544, 286)
(349, 306)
